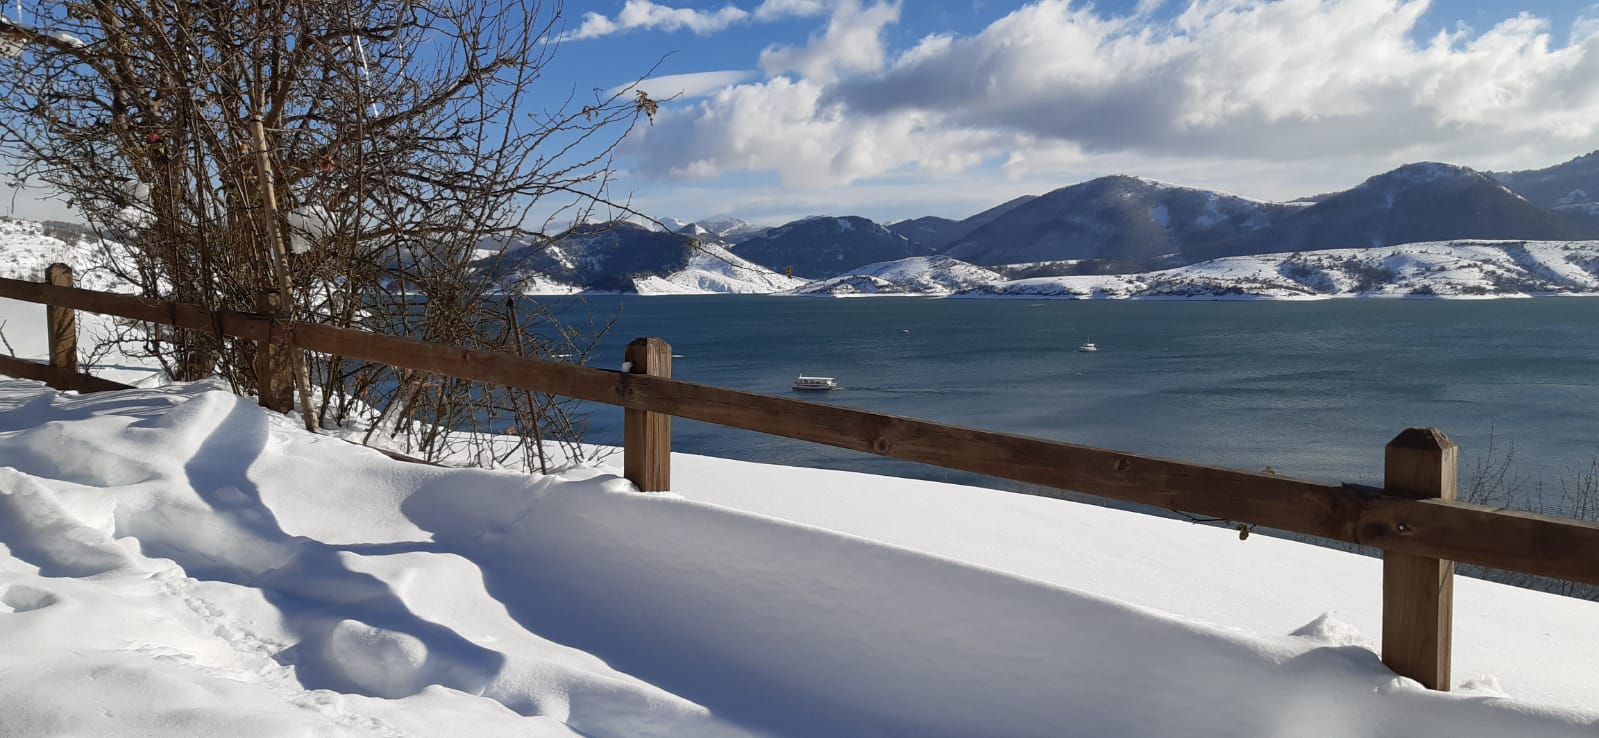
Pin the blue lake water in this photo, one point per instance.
(1310, 389)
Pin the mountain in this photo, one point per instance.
(1124, 219)
(625, 257)
(1415, 203)
(730, 229)
(820, 247)
(917, 275)
(1572, 187)
(1440, 269)
(930, 231)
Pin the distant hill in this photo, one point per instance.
(625, 257)
(1130, 220)
(1471, 269)
(1411, 204)
(820, 247)
(930, 231)
(730, 229)
(1571, 187)
(917, 275)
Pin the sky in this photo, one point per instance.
(895, 110)
(778, 109)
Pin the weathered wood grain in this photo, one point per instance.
(646, 435)
(61, 323)
(56, 377)
(191, 317)
(274, 375)
(1418, 592)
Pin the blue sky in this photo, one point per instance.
(892, 110)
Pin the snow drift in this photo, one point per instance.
(178, 562)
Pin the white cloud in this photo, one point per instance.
(784, 126)
(593, 26)
(688, 86)
(1256, 90)
(774, 9)
(1586, 25)
(646, 15)
(1247, 78)
(852, 42)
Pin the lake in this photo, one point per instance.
(1310, 389)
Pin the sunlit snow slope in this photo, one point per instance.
(179, 562)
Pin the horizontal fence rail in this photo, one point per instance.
(1532, 543)
(1416, 525)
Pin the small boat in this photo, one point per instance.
(1088, 346)
(815, 383)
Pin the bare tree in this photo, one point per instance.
(354, 155)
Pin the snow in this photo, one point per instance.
(1457, 269)
(179, 562)
(914, 276)
(712, 269)
(25, 252)
(175, 561)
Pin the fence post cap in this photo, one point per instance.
(1421, 438)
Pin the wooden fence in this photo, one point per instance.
(1414, 518)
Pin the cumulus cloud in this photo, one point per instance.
(1061, 85)
(784, 126)
(647, 15)
(775, 9)
(852, 42)
(1246, 78)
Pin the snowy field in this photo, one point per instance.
(176, 562)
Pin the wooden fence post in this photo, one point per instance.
(647, 436)
(61, 323)
(1418, 592)
(274, 375)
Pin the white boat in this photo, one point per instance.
(1088, 346)
(815, 383)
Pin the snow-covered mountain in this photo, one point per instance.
(821, 247)
(1120, 222)
(930, 230)
(625, 257)
(935, 276)
(1131, 220)
(712, 269)
(1571, 187)
(1412, 204)
(1439, 269)
(730, 229)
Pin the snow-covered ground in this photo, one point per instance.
(25, 252)
(934, 276)
(715, 270)
(1444, 269)
(1454, 269)
(175, 561)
